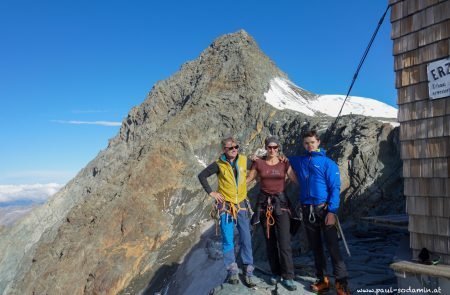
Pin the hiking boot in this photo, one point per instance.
(274, 280)
(321, 285)
(342, 288)
(233, 279)
(249, 281)
(289, 284)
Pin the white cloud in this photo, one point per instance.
(89, 111)
(35, 193)
(36, 176)
(100, 123)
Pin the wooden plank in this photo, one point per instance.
(435, 244)
(420, 20)
(407, 150)
(410, 187)
(441, 244)
(428, 206)
(446, 205)
(447, 126)
(418, 206)
(398, 220)
(412, 93)
(433, 148)
(395, 30)
(416, 169)
(432, 225)
(425, 54)
(436, 187)
(427, 187)
(437, 108)
(437, 207)
(448, 173)
(422, 110)
(447, 108)
(418, 73)
(420, 240)
(435, 127)
(407, 169)
(448, 189)
(411, 75)
(426, 167)
(410, 268)
(438, 147)
(437, 32)
(440, 168)
(396, 11)
(411, 7)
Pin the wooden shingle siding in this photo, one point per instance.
(418, 73)
(428, 49)
(441, 168)
(426, 187)
(412, 93)
(425, 206)
(426, 168)
(425, 148)
(429, 225)
(436, 244)
(420, 19)
(424, 109)
(421, 35)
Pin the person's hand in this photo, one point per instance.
(217, 196)
(283, 158)
(330, 219)
(253, 157)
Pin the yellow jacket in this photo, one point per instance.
(233, 189)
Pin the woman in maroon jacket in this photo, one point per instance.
(273, 209)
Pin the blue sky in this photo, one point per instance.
(91, 61)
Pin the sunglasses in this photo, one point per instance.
(235, 147)
(272, 147)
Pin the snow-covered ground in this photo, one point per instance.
(283, 94)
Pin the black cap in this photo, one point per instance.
(272, 139)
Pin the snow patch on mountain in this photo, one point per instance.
(283, 94)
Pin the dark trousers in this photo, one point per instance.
(279, 251)
(314, 232)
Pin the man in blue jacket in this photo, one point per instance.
(319, 181)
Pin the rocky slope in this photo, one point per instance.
(132, 210)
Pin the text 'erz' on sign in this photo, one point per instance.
(439, 78)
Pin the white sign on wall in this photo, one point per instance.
(439, 78)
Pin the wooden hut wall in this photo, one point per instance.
(421, 34)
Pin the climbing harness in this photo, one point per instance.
(273, 207)
(312, 211)
(269, 217)
(312, 215)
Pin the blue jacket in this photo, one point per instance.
(319, 179)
